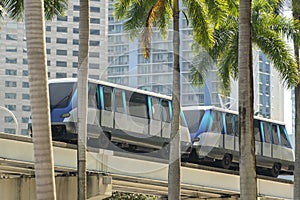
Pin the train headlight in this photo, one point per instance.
(65, 115)
(196, 139)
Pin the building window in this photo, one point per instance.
(25, 120)
(75, 42)
(94, 32)
(48, 40)
(48, 51)
(26, 108)
(25, 73)
(8, 119)
(11, 107)
(11, 72)
(61, 64)
(11, 49)
(62, 29)
(11, 25)
(75, 30)
(94, 77)
(94, 43)
(95, 21)
(11, 60)
(10, 95)
(61, 75)
(94, 54)
(62, 18)
(11, 37)
(75, 53)
(25, 96)
(75, 64)
(10, 130)
(25, 84)
(74, 75)
(76, 8)
(94, 66)
(75, 19)
(61, 52)
(48, 28)
(61, 41)
(10, 84)
(95, 9)
(48, 63)
(25, 61)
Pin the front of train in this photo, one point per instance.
(63, 109)
(205, 132)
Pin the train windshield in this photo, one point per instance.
(61, 94)
(193, 119)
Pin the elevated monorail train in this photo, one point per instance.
(124, 116)
(215, 137)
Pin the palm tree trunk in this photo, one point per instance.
(84, 29)
(39, 98)
(174, 179)
(297, 119)
(245, 73)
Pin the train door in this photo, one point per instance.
(216, 137)
(166, 118)
(120, 110)
(137, 109)
(267, 139)
(258, 138)
(93, 125)
(275, 139)
(229, 136)
(106, 119)
(155, 117)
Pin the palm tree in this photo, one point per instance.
(296, 16)
(140, 17)
(84, 28)
(267, 31)
(247, 164)
(38, 76)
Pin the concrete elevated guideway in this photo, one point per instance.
(110, 170)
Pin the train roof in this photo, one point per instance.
(187, 108)
(62, 80)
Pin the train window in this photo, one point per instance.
(274, 134)
(165, 111)
(92, 96)
(266, 128)
(216, 123)
(229, 126)
(257, 134)
(119, 100)
(107, 98)
(61, 94)
(137, 104)
(283, 137)
(193, 119)
(155, 109)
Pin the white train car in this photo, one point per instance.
(215, 137)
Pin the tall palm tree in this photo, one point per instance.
(296, 16)
(38, 76)
(247, 164)
(140, 17)
(84, 31)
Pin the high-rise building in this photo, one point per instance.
(62, 43)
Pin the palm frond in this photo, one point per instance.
(122, 6)
(55, 8)
(14, 8)
(201, 22)
(274, 47)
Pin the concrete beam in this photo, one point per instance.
(23, 188)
